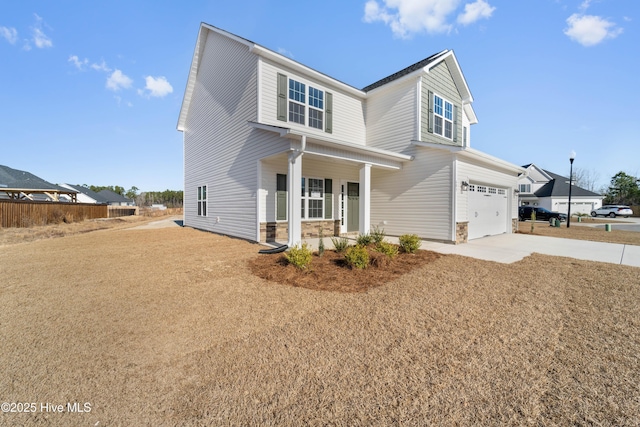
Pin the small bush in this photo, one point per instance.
(68, 218)
(357, 257)
(377, 234)
(387, 248)
(409, 243)
(321, 243)
(378, 259)
(299, 256)
(340, 243)
(533, 219)
(364, 239)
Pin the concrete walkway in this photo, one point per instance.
(509, 248)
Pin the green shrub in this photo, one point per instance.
(340, 243)
(409, 243)
(299, 256)
(387, 248)
(377, 234)
(357, 257)
(321, 244)
(364, 239)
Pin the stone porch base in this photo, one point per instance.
(462, 232)
(279, 231)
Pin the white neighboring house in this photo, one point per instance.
(275, 150)
(539, 187)
(85, 195)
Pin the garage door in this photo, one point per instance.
(487, 211)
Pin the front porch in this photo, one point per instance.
(317, 185)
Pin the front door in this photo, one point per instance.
(353, 206)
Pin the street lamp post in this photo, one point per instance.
(572, 156)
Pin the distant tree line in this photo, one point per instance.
(169, 198)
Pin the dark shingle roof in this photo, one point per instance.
(112, 197)
(559, 187)
(14, 178)
(410, 69)
(89, 192)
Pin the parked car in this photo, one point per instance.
(613, 211)
(542, 214)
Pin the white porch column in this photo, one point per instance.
(294, 179)
(365, 198)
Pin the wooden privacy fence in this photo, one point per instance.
(117, 211)
(27, 213)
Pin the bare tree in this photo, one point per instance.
(586, 178)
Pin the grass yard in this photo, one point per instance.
(581, 232)
(170, 327)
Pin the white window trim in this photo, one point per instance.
(306, 198)
(445, 101)
(307, 104)
(201, 200)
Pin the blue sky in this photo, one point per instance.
(90, 91)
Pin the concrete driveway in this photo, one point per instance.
(508, 248)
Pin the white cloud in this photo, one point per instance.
(40, 39)
(117, 80)
(285, 52)
(77, 62)
(10, 34)
(409, 17)
(475, 11)
(157, 87)
(590, 30)
(101, 66)
(585, 5)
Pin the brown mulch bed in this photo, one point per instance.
(331, 273)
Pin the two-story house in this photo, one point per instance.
(275, 150)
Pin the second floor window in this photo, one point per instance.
(442, 117)
(298, 105)
(297, 101)
(525, 188)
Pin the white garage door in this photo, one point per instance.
(487, 211)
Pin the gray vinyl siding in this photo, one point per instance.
(477, 173)
(391, 117)
(220, 149)
(416, 199)
(347, 112)
(439, 81)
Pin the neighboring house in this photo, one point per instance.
(539, 187)
(85, 195)
(275, 150)
(21, 185)
(114, 199)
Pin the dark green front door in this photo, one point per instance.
(353, 206)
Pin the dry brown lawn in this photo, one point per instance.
(581, 232)
(170, 327)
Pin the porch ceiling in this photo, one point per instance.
(336, 149)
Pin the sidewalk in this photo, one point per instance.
(509, 248)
